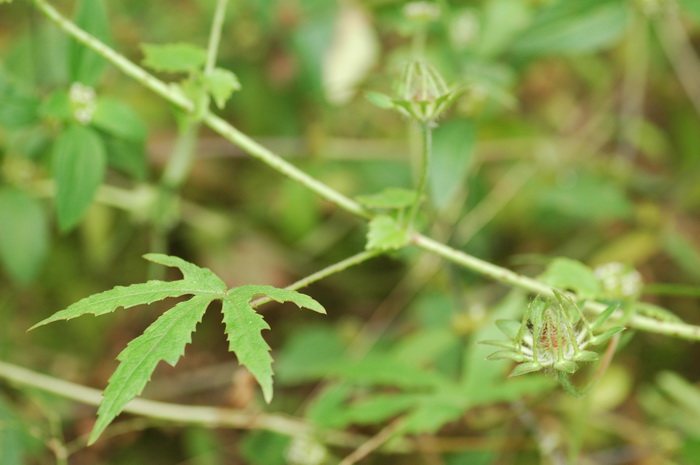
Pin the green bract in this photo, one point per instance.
(553, 334)
(422, 93)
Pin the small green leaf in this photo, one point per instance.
(18, 109)
(525, 368)
(498, 343)
(165, 339)
(604, 336)
(391, 197)
(221, 83)
(174, 58)
(84, 64)
(566, 366)
(507, 355)
(566, 273)
(24, 234)
(117, 119)
(586, 356)
(244, 326)
(57, 105)
(196, 280)
(127, 157)
(385, 233)
(381, 100)
(602, 318)
(573, 27)
(510, 328)
(78, 166)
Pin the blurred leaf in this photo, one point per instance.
(385, 233)
(309, 42)
(24, 234)
(264, 448)
(424, 345)
(637, 246)
(164, 340)
(573, 27)
(501, 21)
(568, 274)
(328, 408)
(380, 407)
(78, 167)
(433, 411)
(244, 325)
(117, 119)
(203, 446)
(12, 436)
(221, 83)
(681, 391)
(84, 65)
(389, 198)
(587, 197)
(174, 58)
(57, 105)
(385, 371)
(684, 252)
(453, 147)
(17, 109)
(300, 360)
(128, 157)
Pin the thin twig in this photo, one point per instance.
(258, 151)
(374, 443)
(208, 416)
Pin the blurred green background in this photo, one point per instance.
(578, 135)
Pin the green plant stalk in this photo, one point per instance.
(260, 152)
(427, 142)
(506, 276)
(176, 97)
(185, 414)
(325, 272)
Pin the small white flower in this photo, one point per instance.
(83, 102)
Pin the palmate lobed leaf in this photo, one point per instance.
(244, 326)
(165, 339)
(196, 281)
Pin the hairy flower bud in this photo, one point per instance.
(553, 334)
(422, 92)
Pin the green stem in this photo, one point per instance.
(325, 272)
(427, 139)
(215, 35)
(506, 276)
(176, 97)
(260, 152)
(208, 416)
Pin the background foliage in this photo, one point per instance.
(577, 135)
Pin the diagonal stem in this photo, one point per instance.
(260, 152)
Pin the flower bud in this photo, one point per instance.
(422, 92)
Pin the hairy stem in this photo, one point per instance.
(207, 416)
(324, 273)
(260, 152)
(175, 96)
(427, 138)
